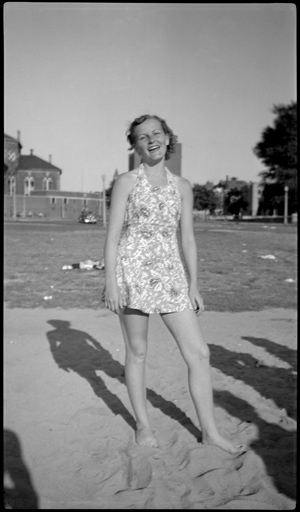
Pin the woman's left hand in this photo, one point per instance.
(196, 300)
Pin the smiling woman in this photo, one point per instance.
(151, 142)
(158, 127)
(145, 273)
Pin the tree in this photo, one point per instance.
(222, 184)
(236, 200)
(278, 151)
(204, 199)
(108, 191)
(272, 200)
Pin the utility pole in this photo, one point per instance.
(286, 200)
(62, 208)
(14, 199)
(104, 200)
(24, 205)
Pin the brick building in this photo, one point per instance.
(12, 153)
(32, 187)
(27, 172)
(53, 204)
(36, 174)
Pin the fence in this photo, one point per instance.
(68, 208)
(202, 216)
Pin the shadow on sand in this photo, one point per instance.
(21, 495)
(76, 350)
(271, 382)
(275, 445)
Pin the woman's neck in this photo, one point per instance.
(156, 175)
(155, 169)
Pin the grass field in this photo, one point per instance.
(232, 275)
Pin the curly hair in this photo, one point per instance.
(139, 120)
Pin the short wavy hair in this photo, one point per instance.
(171, 147)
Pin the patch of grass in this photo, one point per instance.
(232, 276)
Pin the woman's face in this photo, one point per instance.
(150, 141)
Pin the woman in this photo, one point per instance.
(145, 275)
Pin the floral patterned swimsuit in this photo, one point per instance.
(150, 273)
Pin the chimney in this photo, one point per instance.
(18, 135)
(50, 157)
(31, 152)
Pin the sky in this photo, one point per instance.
(77, 74)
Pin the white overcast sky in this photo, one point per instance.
(76, 74)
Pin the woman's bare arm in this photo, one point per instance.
(121, 190)
(188, 241)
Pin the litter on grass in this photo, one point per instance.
(85, 265)
(268, 257)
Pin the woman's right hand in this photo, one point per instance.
(112, 298)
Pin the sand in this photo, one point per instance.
(69, 429)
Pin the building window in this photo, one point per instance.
(52, 200)
(26, 187)
(65, 200)
(84, 202)
(11, 185)
(47, 184)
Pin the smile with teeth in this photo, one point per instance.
(153, 148)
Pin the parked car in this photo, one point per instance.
(87, 218)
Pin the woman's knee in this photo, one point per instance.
(136, 353)
(204, 352)
(198, 354)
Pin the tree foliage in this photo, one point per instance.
(204, 199)
(278, 151)
(278, 147)
(108, 191)
(272, 200)
(236, 200)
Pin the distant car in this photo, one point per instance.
(87, 218)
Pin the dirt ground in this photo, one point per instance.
(69, 429)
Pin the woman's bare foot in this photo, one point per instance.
(224, 444)
(144, 437)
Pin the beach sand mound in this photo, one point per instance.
(69, 429)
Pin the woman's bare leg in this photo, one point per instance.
(184, 326)
(134, 324)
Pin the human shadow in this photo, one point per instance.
(287, 354)
(274, 445)
(273, 383)
(76, 350)
(22, 495)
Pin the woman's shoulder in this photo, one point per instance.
(126, 180)
(127, 177)
(183, 184)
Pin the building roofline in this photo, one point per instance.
(13, 139)
(35, 163)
